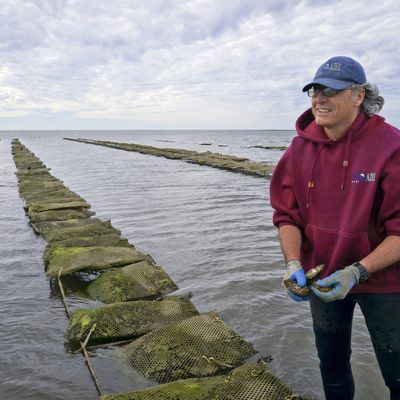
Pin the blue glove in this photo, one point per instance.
(295, 272)
(341, 283)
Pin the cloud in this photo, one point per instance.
(192, 64)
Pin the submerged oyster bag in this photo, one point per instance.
(37, 188)
(107, 240)
(253, 382)
(199, 346)
(184, 389)
(102, 228)
(127, 320)
(65, 260)
(142, 280)
(247, 382)
(39, 170)
(59, 215)
(56, 205)
(48, 226)
(32, 186)
(61, 193)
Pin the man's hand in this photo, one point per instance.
(295, 272)
(341, 283)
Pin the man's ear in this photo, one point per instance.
(359, 98)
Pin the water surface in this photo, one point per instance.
(210, 229)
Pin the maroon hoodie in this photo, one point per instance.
(343, 195)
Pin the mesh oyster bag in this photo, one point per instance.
(60, 193)
(142, 280)
(48, 226)
(59, 215)
(248, 382)
(39, 170)
(34, 189)
(96, 229)
(199, 346)
(56, 204)
(253, 381)
(183, 389)
(121, 321)
(107, 240)
(65, 260)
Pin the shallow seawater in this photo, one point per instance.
(210, 229)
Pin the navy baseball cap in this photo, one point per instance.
(338, 73)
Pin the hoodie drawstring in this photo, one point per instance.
(308, 129)
(345, 167)
(311, 181)
(345, 163)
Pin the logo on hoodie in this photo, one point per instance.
(363, 177)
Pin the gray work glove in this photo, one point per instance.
(341, 283)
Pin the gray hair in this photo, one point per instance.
(372, 102)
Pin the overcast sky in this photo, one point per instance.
(177, 64)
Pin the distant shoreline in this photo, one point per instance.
(147, 130)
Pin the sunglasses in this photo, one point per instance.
(326, 91)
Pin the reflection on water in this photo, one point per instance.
(210, 229)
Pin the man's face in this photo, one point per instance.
(338, 111)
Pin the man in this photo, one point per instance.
(336, 195)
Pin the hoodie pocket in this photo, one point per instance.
(334, 248)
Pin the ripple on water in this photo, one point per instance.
(210, 229)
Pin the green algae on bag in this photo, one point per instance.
(28, 161)
(142, 280)
(107, 240)
(199, 346)
(56, 196)
(30, 193)
(49, 192)
(248, 382)
(65, 260)
(48, 226)
(32, 171)
(47, 206)
(101, 228)
(31, 188)
(184, 389)
(127, 320)
(32, 182)
(60, 215)
(252, 382)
